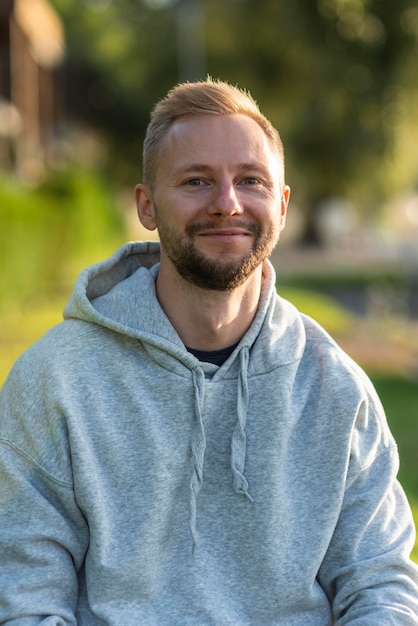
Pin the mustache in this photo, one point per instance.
(197, 227)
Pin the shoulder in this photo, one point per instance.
(350, 387)
(32, 415)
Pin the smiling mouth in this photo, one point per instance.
(225, 233)
(230, 232)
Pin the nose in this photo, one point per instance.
(225, 202)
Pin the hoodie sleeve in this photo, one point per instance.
(367, 571)
(43, 535)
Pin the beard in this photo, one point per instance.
(221, 274)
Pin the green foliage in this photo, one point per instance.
(120, 60)
(43, 230)
(326, 73)
(335, 76)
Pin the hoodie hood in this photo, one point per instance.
(119, 294)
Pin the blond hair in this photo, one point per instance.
(208, 97)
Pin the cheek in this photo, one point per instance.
(173, 207)
(273, 224)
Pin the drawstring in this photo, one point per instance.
(198, 445)
(239, 442)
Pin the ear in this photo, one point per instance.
(283, 206)
(145, 206)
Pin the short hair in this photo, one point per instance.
(208, 97)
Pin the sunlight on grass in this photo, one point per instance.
(21, 324)
(334, 318)
(415, 549)
(20, 328)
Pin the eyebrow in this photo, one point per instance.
(204, 167)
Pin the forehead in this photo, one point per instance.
(217, 137)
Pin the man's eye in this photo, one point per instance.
(194, 182)
(251, 180)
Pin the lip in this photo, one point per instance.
(225, 233)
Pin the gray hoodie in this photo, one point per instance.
(140, 486)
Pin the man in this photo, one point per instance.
(186, 448)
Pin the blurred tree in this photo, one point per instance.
(119, 57)
(333, 75)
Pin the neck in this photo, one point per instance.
(207, 319)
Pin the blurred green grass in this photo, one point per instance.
(400, 399)
(324, 309)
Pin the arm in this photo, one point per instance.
(367, 572)
(43, 535)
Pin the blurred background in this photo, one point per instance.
(338, 78)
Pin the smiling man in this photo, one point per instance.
(218, 198)
(187, 448)
(222, 179)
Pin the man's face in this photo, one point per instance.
(218, 201)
